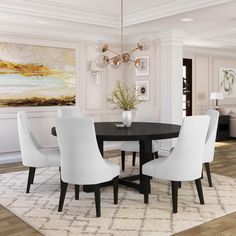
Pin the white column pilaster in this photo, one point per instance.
(171, 84)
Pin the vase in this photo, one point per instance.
(127, 118)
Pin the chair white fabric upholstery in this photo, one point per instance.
(81, 161)
(185, 161)
(211, 136)
(33, 155)
(210, 142)
(69, 111)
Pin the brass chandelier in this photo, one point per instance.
(123, 57)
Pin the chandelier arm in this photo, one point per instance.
(133, 50)
(113, 57)
(116, 53)
(132, 60)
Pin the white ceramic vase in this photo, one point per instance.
(127, 118)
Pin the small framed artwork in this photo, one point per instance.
(143, 90)
(144, 66)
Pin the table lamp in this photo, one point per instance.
(216, 96)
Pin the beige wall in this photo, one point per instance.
(205, 78)
(90, 96)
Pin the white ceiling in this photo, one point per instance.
(214, 22)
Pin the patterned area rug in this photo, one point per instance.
(130, 217)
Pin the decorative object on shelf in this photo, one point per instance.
(126, 99)
(124, 56)
(143, 67)
(95, 70)
(227, 82)
(120, 125)
(216, 96)
(37, 75)
(143, 90)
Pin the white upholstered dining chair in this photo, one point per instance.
(69, 111)
(185, 161)
(210, 142)
(32, 153)
(142, 115)
(81, 161)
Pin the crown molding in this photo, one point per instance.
(209, 51)
(56, 34)
(50, 9)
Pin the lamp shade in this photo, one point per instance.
(216, 95)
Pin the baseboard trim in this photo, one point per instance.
(7, 158)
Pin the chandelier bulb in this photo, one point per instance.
(101, 46)
(102, 61)
(144, 44)
(138, 64)
(125, 57)
(116, 62)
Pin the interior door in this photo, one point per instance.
(187, 87)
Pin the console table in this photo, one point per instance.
(223, 128)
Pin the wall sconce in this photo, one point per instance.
(95, 70)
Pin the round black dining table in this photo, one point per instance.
(144, 132)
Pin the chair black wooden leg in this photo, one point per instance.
(156, 155)
(76, 192)
(146, 189)
(202, 174)
(33, 174)
(179, 184)
(174, 187)
(97, 199)
(199, 190)
(134, 157)
(208, 171)
(62, 195)
(123, 160)
(30, 178)
(115, 189)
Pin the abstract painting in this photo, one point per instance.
(36, 75)
(227, 82)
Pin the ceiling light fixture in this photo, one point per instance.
(123, 57)
(187, 19)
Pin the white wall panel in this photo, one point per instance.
(202, 81)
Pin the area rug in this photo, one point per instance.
(130, 217)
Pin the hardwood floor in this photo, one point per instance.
(224, 164)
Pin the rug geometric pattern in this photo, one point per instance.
(130, 217)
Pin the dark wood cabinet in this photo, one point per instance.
(223, 128)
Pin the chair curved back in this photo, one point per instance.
(81, 161)
(211, 136)
(69, 111)
(29, 146)
(187, 156)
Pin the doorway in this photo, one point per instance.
(187, 87)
